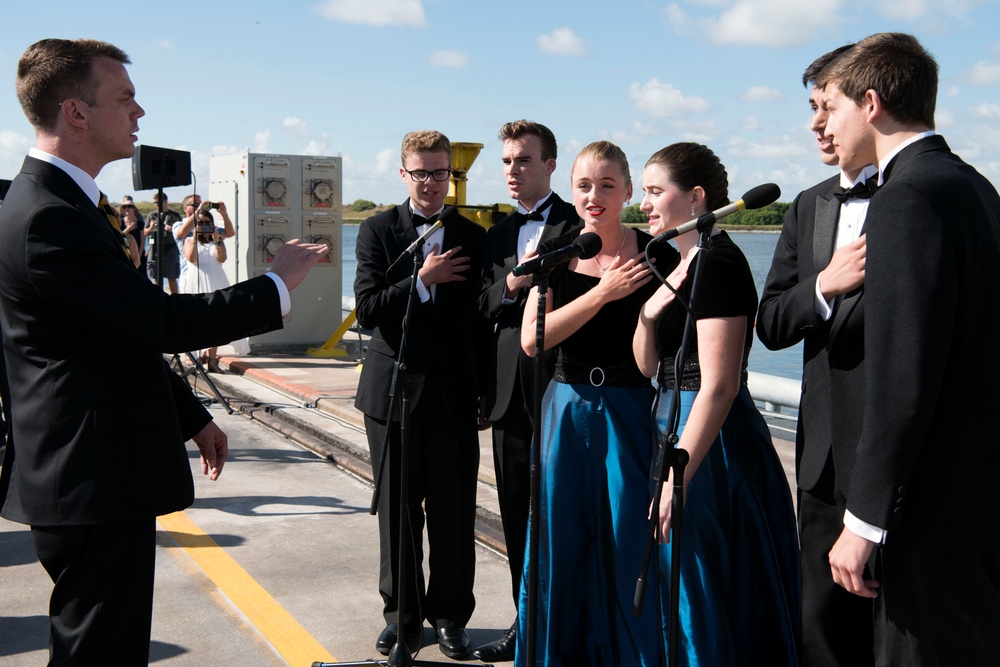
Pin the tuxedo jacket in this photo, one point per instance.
(97, 420)
(787, 315)
(926, 456)
(446, 337)
(508, 363)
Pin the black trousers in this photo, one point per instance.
(837, 626)
(102, 603)
(512, 459)
(442, 477)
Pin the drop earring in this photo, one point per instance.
(692, 210)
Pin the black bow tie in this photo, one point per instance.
(421, 220)
(863, 190)
(536, 214)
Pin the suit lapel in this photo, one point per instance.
(824, 229)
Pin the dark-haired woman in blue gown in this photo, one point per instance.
(740, 590)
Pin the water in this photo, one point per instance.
(758, 247)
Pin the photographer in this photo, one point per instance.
(171, 256)
(205, 253)
(132, 224)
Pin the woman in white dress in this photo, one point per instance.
(205, 251)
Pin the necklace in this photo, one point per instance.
(604, 268)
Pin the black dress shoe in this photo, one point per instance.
(390, 636)
(454, 642)
(499, 651)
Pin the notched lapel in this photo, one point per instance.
(824, 229)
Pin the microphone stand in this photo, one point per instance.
(541, 280)
(399, 654)
(676, 459)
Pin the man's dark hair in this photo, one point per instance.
(524, 128)
(53, 70)
(813, 71)
(895, 66)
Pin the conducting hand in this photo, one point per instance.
(214, 447)
(294, 259)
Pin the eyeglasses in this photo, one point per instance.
(420, 175)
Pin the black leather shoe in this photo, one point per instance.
(454, 642)
(499, 651)
(390, 635)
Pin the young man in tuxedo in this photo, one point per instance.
(88, 472)
(919, 447)
(529, 159)
(443, 379)
(818, 262)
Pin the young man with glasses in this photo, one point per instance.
(444, 378)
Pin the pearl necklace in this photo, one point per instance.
(604, 268)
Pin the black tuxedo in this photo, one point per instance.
(511, 375)
(924, 463)
(97, 421)
(445, 359)
(836, 624)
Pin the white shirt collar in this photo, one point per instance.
(79, 176)
(866, 173)
(521, 208)
(884, 162)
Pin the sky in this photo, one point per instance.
(351, 77)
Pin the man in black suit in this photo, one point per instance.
(920, 454)
(529, 159)
(816, 275)
(88, 469)
(444, 378)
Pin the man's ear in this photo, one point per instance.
(75, 112)
(872, 105)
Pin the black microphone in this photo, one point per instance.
(585, 246)
(757, 197)
(423, 237)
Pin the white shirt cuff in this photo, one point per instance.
(862, 529)
(422, 291)
(283, 295)
(824, 308)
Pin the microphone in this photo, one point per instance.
(585, 246)
(757, 197)
(423, 237)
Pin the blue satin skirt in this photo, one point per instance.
(740, 587)
(597, 446)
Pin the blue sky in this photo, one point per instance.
(350, 77)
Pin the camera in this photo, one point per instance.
(206, 229)
(213, 204)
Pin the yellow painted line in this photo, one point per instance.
(277, 626)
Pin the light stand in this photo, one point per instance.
(399, 654)
(669, 456)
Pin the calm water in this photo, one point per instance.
(758, 247)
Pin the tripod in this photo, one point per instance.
(676, 459)
(401, 385)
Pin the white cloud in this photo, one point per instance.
(295, 126)
(750, 124)
(636, 133)
(385, 161)
(774, 22)
(902, 10)
(662, 99)
(449, 59)
(985, 74)
(563, 42)
(944, 118)
(318, 146)
(778, 147)
(952, 91)
(262, 142)
(761, 94)
(986, 110)
(674, 16)
(375, 12)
